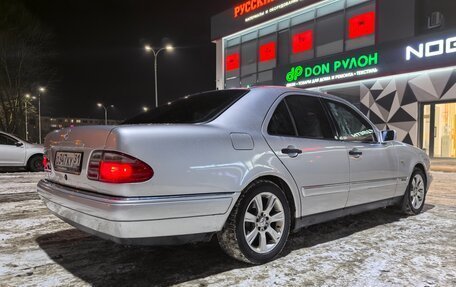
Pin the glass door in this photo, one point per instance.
(439, 130)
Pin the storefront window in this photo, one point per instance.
(283, 49)
(328, 28)
(249, 58)
(232, 83)
(445, 130)
(248, 81)
(360, 30)
(232, 62)
(302, 42)
(330, 34)
(267, 52)
(265, 78)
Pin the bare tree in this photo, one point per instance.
(24, 53)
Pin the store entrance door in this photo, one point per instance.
(439, 130)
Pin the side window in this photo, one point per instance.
(281, 124)
(352, 127)
(310, 117)
(6, 140)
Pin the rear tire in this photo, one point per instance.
(35, 163)
(415, 195)
(259, 224)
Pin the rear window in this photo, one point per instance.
(191, 109)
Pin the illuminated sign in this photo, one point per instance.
(434, 51)
(232, 62)
(431, 49)
(250, 6)
(361, 25)
(302, 42)
(268, 52)
(300, 73)
(248, 13)
(330, 78)
(271, 10)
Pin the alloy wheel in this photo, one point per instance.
(417, 191)
(264, 222)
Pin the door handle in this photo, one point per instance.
(355, 153)
(291, 151)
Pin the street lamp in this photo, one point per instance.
(40, 91)
(27, 96)
(145, 109)
(149, 49)
(100, 105)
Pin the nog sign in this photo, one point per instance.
(431, 49)
(250, 6)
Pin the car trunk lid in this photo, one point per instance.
(69, 150)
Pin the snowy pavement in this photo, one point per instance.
(380, 248)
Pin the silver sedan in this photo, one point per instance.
(247, 165)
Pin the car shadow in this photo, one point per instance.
(12, 169)
(344, 227)
(103, 263)
(17, 170)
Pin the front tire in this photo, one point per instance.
(35, 163)
(414, 197)
(259, 224)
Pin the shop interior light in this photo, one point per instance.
(361, 25)
(268, 52)
(302, 42)
(232, 62)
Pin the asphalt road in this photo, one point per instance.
(379, 248)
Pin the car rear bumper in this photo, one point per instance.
(130, 220)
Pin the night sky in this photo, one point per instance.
(100, 55)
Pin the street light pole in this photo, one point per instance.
(106, 115)
(156, 53)
(100, 105)
(27, 96)
(40, 90)
(156, 77)
(39, 116)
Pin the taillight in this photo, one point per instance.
(116, 167)
(45, 162)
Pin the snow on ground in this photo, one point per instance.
(379, 248)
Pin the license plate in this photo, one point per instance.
(69, 162)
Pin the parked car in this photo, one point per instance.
(246, 165)
(16, 152)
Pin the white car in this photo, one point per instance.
(16, 152)
(249, 165)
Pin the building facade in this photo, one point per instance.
(395, 60)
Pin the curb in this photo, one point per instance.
(443, 168)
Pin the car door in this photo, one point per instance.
(299, 132)
(10, 153)
(373, 164)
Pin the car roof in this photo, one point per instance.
(282, 89)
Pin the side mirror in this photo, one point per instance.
(19, 144)
(389, 135)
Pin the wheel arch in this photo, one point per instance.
(284, 186)
(421, 167)
(32, 156)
